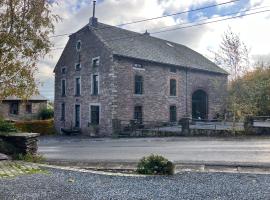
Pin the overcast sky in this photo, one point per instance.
(254, 29)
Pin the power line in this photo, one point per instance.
(154, 18)
(184, 27)
(211, 22)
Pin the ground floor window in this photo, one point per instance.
(172, 113)
(77, 116)
(28, 108)
(138, 115)
(63, 111)
(95, 111)
(14, 108)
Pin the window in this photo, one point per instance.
(137, 65)
(173, 69)
(95, 62)
(78, 45)
(94, 115)
(77, 116)
(28, 108)
(14, 108)
(63, 87)
(95, 84)
(138, 116)
(138, 84)
(172, 113)
(78, 66)
(63, 70)
(172, 87)
(63, 112)
(78, 86)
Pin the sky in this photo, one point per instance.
(254, 30)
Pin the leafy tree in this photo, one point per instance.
(252, 92)
(25, 26)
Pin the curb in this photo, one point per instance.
(185, 166)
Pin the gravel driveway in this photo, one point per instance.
(62, 184)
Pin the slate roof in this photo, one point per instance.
(140, 46)
(32, 98)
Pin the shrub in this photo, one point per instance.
(29, 158)
(46, 113)
(43, 127)
(155, 165)
(6, 127)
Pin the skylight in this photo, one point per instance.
(169, 44)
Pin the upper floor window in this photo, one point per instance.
(95, 84)
(63, 70)
(172, 87)
(138, 84)
(95, 62)
(78, 86)
(78, 66)
(172, 113)
(78, 45)
(28, 108)
(63, 87)
(173, 69)
(137, 65)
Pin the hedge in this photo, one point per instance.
(43, 127)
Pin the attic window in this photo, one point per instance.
(137, 65)
(78, 66)
(169, 44)
(95, 62)
(78, 45)
(63, 70)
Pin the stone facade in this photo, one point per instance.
(23, 114)
(116, 96)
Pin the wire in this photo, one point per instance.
(154, 18)
(184, 27)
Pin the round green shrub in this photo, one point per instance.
(46, 113)
(7, 127)
(155, 165)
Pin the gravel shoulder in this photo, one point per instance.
(63, 184)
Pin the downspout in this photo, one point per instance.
(186, 92)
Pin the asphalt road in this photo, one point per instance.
(178, 149)
(69, 185)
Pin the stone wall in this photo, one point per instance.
(23, 115)
(156, 99)
(19, 143)
(91, 47)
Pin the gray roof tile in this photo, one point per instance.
(135, 45)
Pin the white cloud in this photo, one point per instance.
(254, 30)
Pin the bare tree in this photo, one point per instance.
(233, 54)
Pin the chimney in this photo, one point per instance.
(93, 20)
(146, 33)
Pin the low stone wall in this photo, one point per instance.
(19, 143)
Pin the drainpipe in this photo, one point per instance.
(186, 92)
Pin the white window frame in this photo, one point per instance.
(78, 50)
(92, 85)
(96, 58)
(138, 68)
(75, 85)
(94, 104)
(74, 114)
(63, 79)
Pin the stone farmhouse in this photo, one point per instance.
(107, 73)
(14, 108)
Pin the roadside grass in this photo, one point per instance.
(12, 169)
